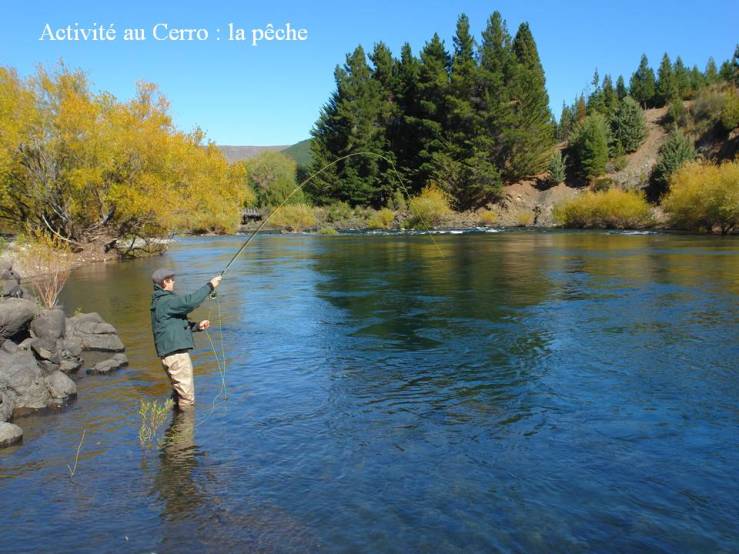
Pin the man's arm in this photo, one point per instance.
(183, 305)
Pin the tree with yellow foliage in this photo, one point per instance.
(84, 166)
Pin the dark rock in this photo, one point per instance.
(22, 376)
(49, 324)
(61, 387)
(26, 344)
(15, 315)
(111, 364)
(45, 350)
(10, 434)
(10, 281)
(7, 405)
(102, 343)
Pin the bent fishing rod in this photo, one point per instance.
(300, 187)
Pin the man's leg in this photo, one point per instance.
(179, 370)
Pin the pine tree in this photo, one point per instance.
(621, 91)
(433, 84)
(530, 137)
(589, 146)
(351, 122)
(610, 99)
(642, 83)
(735, 65)
(726, 72)
(580, 109)
(666, 88)
(406, 143)
(566, 122)
(463, 170)
(595, 99)
(674, 152)
(711, 74)
(682, 78)
(697, 80)
(628, 126)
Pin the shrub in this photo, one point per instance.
(486, 217)
(272, 178)
(153, 415)
(338, 212)
(730, 112)
(327, 231)
(398, 202)
(524, 219)
(429, 208)
(294, 217)
(704, 196)
(48, 262)
(557, 168)
(381, 219)
(613, 209)
(602, 184)
(589, 146)
(675, 151)
(677, 115)
(707, 107)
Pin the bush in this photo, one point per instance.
(707, 108)
(524, 219)
(48, 262)
(730, 112)
(381, 219)
(327, 231)
(339, 212)
(398, 202)
(675, 151)
(589, 146)
(602, 184)
(294, 217)
(272, 178)
(677, 115)
(557, 168)
(613, 209)
(429, 208)
(704, 196)
(486, 217)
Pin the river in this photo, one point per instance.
(516, 391)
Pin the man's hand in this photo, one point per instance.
(203, 325)
(215, 281)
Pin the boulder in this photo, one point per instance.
(22, 376)
(111, 364)
(70, 347)
(10, 347)
(7, 405)
(61, 387)
(15, 315)
(94, 333)
(10, 434)
(45, 350)
(49, 324)
(10, 281)
(70, 365)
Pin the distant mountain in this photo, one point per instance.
(238, 153)
(300, 152)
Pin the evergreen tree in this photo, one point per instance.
(610, 99)
(642, 85)
(589, 146)
(557, 168)
(697, 80)
(580, 109)
(352, 122)
(682, 78)
(628, 126)
(735, 65)
(433, 84)
(595, 99)
(461, 168)
(405, 144)
(711, 75)
(530, 137)
(621, 91)
(726, 72)
(666, 86)
(676, 150)
(566, 122)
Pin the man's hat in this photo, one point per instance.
(161, 274)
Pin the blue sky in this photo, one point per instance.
(272, 93)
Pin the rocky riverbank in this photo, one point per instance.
(41, 350)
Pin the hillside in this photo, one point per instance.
(300, 152)
(239, 153)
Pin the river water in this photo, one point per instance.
(513, 391)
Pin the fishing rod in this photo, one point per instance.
(300, 187)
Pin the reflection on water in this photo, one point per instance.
(519, 391)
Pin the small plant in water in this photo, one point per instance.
(153, 415)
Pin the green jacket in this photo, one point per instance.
(169, 323)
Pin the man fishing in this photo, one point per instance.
(173, 331)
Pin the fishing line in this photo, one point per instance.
(221, 362)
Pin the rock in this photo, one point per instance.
(106, 366)
(10, 347)
(7, 405)
(22, 376)
(45, 350)
(61, 387)
(26, 344)
(10, 434)
(94, 333)
(70, 365)
(49, 324)
(71, 347)
(15, 315)
(10, 281)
